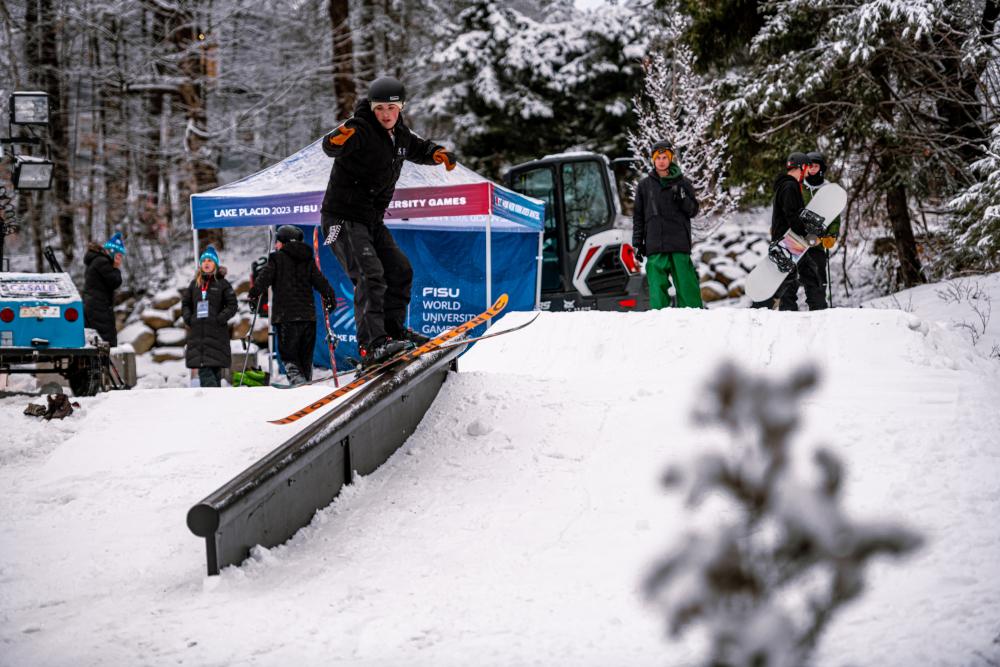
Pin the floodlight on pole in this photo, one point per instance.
(29, 108)
(32, 173)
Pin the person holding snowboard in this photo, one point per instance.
(785, 211)
(814, 266)
(661, 230)
(206, 306)
(100, 280)
(291, 271)
(369, 149)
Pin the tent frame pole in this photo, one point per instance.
(489, 253)
(538, 261)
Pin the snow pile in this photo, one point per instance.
(518, 523)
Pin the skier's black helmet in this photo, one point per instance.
(288, 233)
(387, 90)
(660, 146)
(798, 160)
(815, 157)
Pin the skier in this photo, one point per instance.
(206, 306)
(787, 206)
(291, 271)
(661, 230)
(369, 149)
(101, 278)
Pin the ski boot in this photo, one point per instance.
(380, 351)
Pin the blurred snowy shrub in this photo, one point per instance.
(768, 579)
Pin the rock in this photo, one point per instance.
(712, 290)
(165, 299)
(260, 331)
(737, 288)
(242, 287)
(168, 354)
(170, 336)
(139, 336)
(157, 319)
(241, 325)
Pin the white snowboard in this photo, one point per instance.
(828, 202)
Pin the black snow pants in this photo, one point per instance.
(296, 341)
(381, 274)
(812, 275)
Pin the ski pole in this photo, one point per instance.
(246, 340)
(829, 282)
(326, 318)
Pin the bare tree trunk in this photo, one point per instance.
(910, 270)
(62, 152)
(188, 45)
(112, 105)
(344, 84)
(366, 52)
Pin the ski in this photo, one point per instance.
(402, 358)
(492, 334)
(327, 378)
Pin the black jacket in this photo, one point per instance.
(208, 338)
(788, 205)
(293, 275)
(100, 281)
(367, 165)
(662, 218)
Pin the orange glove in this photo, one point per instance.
(340, 136)
(828, 241)
(445, 157)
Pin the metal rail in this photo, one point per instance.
(279, 494)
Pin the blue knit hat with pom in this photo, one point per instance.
(115, 245)
(210, 253)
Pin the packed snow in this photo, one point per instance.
(517, 524)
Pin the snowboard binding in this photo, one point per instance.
(781, 256)
(815, 225)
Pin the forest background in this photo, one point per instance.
(157, 99)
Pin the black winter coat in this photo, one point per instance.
(662, 218)
(367, 165)
(293, 275)
(208, 337)
(788, 205)
(100, 280)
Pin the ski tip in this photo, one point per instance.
(501, 302)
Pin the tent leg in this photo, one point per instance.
(489, 263)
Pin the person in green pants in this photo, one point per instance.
(661, 230)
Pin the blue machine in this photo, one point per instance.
(41, 331)
(40, 311)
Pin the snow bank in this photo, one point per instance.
(517, 523)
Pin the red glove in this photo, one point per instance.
(445, 157)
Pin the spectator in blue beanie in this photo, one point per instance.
(102, 277)
(207, 304)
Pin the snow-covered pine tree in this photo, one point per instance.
(765, 580)
(975, 229)
(677, 105)
(513, 88)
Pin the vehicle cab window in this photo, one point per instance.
(541, 184)
(585, 199)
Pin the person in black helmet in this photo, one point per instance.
(291, 272)
(369, 149)
(785, 212)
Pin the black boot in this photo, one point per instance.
(414, 337)
(380, 351)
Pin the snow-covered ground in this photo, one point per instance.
(516, 526)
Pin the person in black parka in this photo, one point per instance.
(101, 278)
(370, 149)
(292, 274)
(207, 304)
(785, 214)
(665, 202)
